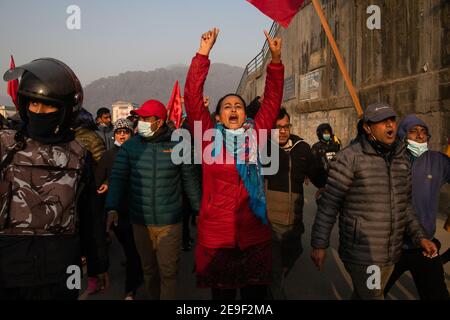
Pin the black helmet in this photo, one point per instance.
(49, 81)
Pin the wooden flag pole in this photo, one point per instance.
(338, 56)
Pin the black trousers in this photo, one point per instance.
(134, 275)
(255, 292)
(56, 291)
(428, 275)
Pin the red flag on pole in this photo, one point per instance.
(13, 85)
(282, 11)
(174, 107)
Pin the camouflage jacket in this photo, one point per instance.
(54, 215)
(45, 183)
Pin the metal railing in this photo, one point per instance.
(258, 61)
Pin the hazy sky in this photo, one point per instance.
(119, 36)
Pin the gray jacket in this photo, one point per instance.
(107, 135)
(373, 197)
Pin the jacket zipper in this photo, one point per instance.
(238, 226)
(290, 187)
(154, 147)
(390, 204)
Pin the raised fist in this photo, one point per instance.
(207, 41)
(275, 47)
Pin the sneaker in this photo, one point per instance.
(92, 287)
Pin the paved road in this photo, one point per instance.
(304, 281)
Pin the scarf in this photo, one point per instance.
(243, 145)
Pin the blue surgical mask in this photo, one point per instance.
(145, 129)
(326, 137)
(416, 148)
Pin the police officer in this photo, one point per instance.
(48, 216)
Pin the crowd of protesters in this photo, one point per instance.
(69, 182)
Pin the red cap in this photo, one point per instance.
(151, 108)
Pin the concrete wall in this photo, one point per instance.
(406, 63)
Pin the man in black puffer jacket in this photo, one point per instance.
(369, 184)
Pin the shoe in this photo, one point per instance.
(92, 287)
(129, 296)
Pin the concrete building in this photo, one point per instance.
(121, 109)
(405, 63)
(7, 111)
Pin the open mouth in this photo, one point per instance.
(233, 119)
(390, 133)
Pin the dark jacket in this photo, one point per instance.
(373, 196)
(284, 190)
(107, 135)
(143, 173)
(42, 258)
(429, 173)
(104, 167)
(325, 152)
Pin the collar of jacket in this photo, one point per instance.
(105, 129)
(367, 147)
(295, 141)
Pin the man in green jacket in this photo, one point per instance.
(145, 178)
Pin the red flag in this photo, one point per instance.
(13, 85)
(282, 11)
(174, 107)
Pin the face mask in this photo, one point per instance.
(145, 129)
(42, 125)
(117, 143)
(417, 149)
(327, 137)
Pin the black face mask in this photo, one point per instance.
(44, 127)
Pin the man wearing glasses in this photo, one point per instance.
(284, 192)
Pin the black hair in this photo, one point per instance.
(102, 111)
(283, 113)
(253, 107)
(219, 104)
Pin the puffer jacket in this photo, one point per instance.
(91, 141)
(107, 135)
(145, 176)
(373, 197)
(225, 219)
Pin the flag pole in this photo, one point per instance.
(338, 56)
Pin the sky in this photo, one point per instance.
(134, 35)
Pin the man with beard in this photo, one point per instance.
(369, 186)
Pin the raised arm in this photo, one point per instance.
(195, 81)
(273, 91)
